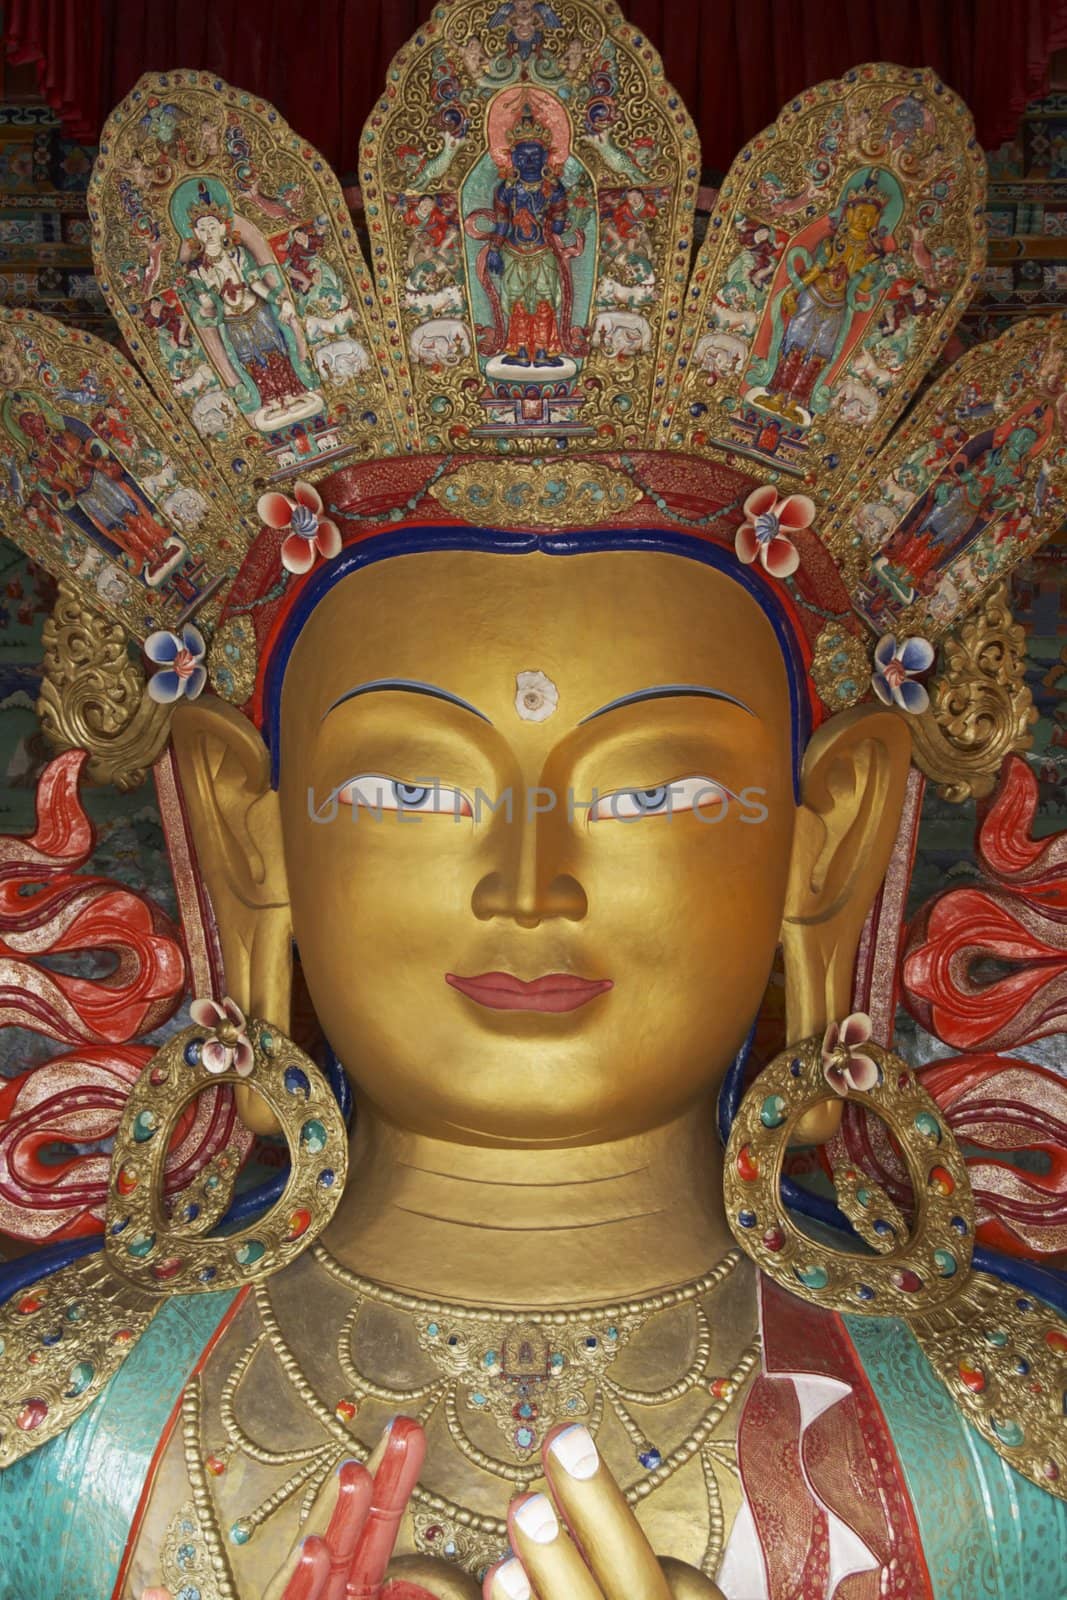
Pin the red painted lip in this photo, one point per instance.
(558, 991)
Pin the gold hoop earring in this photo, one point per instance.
(164, 1254)
(907, 1273)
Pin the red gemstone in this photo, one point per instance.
(942, 1180)
(123, 1336)
(774, 1239)
(346, 1410)
(1051, 1471)
(169, 1268)
(972, 1376)
(215, 1465)
(720, 1388)
(907, 1280)
(126, 1182)
(32, 1414)
(29, 1304)
(747, 1164)
(1056, 1339)
(299, 1223)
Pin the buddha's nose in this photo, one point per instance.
(527, 879)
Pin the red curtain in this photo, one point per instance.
(734, 61)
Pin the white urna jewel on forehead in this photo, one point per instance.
(536, 696)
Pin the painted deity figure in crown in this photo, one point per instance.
(531, 240)
(465, 1235)
(71, 468)
(237, 298)
(832, 278)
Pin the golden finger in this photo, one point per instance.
(549, 1558)
(597, 1514)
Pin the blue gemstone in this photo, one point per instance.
(864, 1291)
(53, 1337)
(1022, 1366)
(524, 1438)
(650, 1459)
(326, 1177)
(206, 1274)
(191, 1212)
(591, 1344)
(192, 1052)
(960, 1226)
(794, 1067)
(1023, 1304)
(747, 1219)
(433, 1330)
(296, 1082)
(881, 1227)
(117, 1227)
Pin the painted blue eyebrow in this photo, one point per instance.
(667, 691)
(408, 686)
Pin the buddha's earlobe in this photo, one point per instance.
(853, 782)
(236, 828)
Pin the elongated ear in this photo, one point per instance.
(236, 826)
(852, 791)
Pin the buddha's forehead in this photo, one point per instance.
(598, 625)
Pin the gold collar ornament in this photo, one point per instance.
(165, 1252)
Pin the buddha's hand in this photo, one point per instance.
(585, 1542)
(349, 1537)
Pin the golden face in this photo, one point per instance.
(537, 881)
(863, 219)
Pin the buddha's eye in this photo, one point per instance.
(666, 799)
(378, 793)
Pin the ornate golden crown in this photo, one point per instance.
(747, 395)
(528, 128)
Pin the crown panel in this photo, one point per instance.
(104, 487)
(529, 179)
(846, 241)
(224, 247)
(972, 482)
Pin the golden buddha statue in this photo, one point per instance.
(535, 710)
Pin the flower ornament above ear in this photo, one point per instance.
(310, 533)
(767, 523)
(228, 1049)
(180, 659)
(894, 668)
(844, 1064)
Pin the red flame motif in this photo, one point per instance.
(69, 1108)
(985, 969)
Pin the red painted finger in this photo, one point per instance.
(312, 1572)
(355, 1491)
(394, 1480)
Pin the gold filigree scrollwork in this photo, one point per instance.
(980, 706)
(93, 695)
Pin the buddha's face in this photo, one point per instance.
(546, 905)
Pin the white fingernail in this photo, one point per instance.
(513, 1581)
(575, 1451)
(537, 1519)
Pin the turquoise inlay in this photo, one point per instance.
(988, 1533)
(65, 1510)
